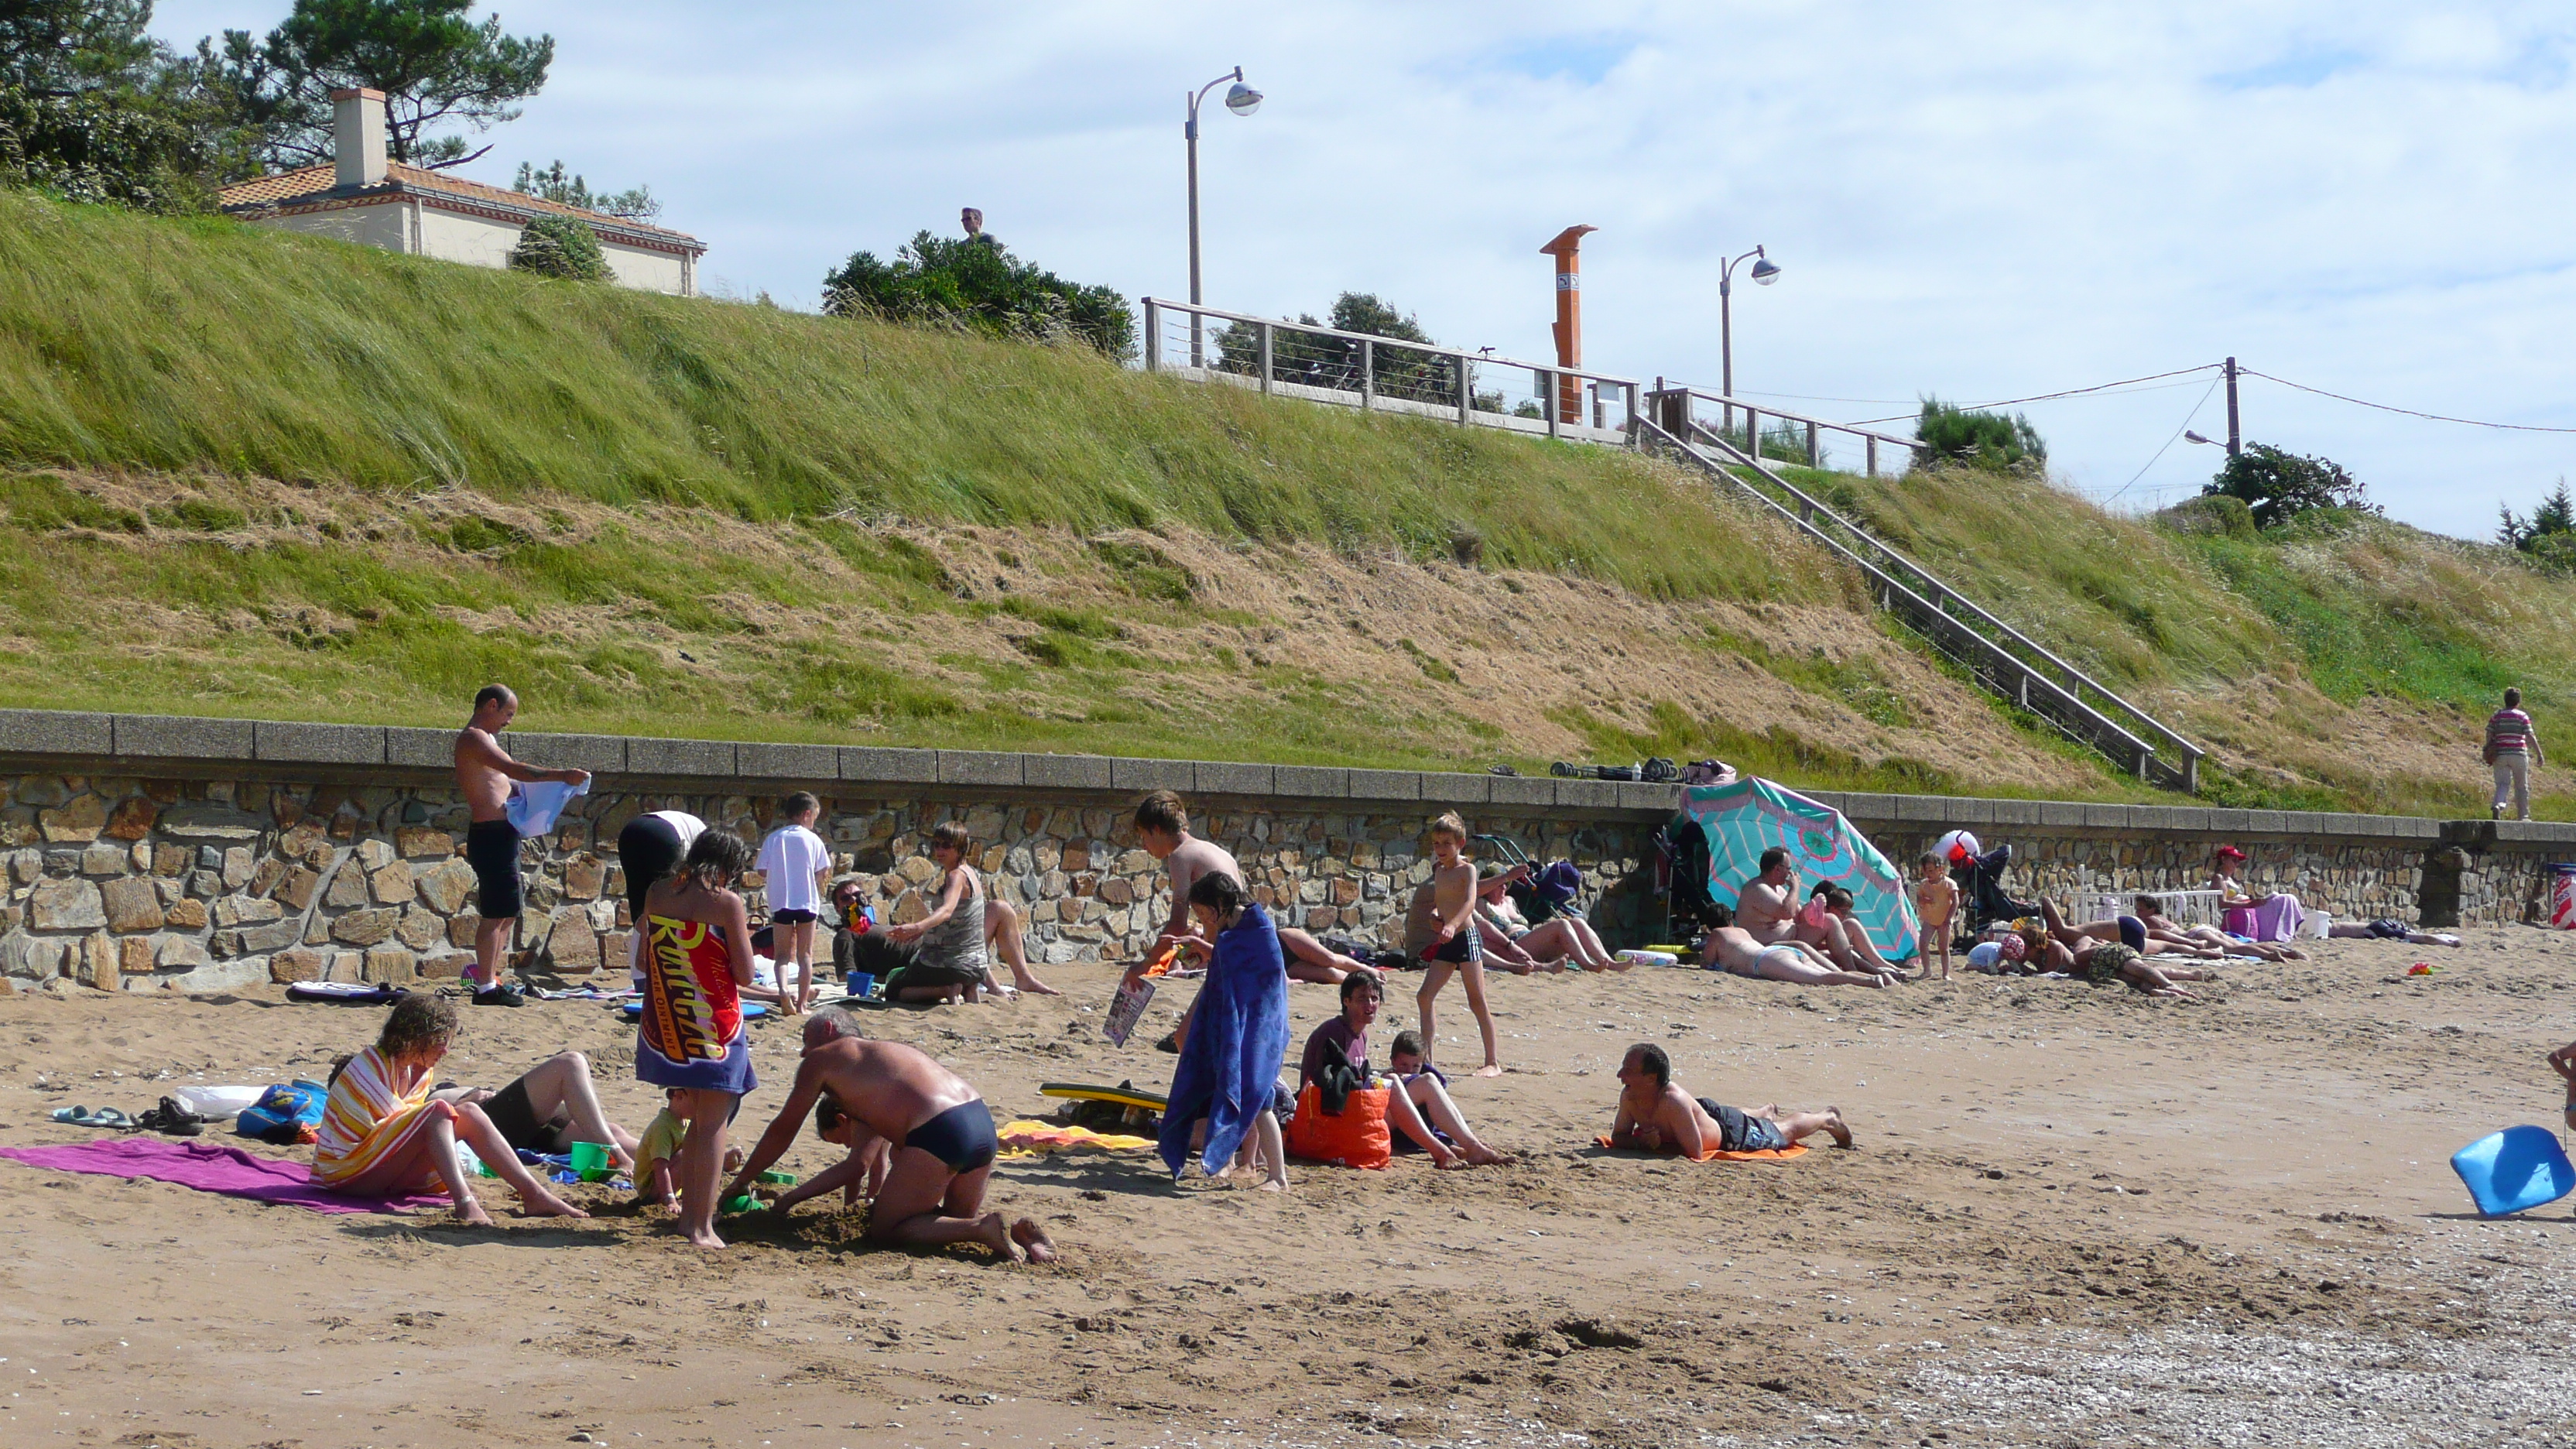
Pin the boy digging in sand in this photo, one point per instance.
(938, 1130)
(1655, 1115)
(1449, 943)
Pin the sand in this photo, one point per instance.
(2074, 1216)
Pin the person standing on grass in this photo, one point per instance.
(796, 861)
(484, 771)
(2513, 752)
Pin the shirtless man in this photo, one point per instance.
(2098, 959)
(1767, 906)
(1655, 1115)
(1163, 829)
(936, 1130)
(1735, 950)
(484, 771)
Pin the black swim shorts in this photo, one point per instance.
(492, 848)
(1739, 1132)
(961, 1137)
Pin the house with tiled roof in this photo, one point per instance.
(366, 197)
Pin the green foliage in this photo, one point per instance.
(1313, 360)
(1987, 441)
(2212, 515)
(2279, 486)
(976, 284)
(2548, 536)
(562, 247)
(556, 185)
(92, 109)
(436, 68)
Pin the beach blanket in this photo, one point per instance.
(1238, 1041)
(1028, 1138)
(208, 1167)
(1767, 1154)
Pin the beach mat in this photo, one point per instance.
(208, 1167)
(1026, 1137)
(1767, 1154)
(2515, 1170)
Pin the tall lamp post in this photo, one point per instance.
(1765, 272)
(1243, 100)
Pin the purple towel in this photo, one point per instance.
(209, 1168)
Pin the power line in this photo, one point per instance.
(2169, 442)
(2407, 412)
(2070, 392)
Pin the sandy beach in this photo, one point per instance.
(2073, 1216)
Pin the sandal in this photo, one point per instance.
(107, 1118)
(172, 1120)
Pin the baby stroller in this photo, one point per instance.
(1551, 890)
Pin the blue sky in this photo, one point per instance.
(1979, 201)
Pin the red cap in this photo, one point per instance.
(2225, 851)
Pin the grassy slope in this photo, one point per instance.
(500, 475)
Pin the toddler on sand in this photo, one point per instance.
(1936, 900)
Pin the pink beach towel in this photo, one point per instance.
(209, 1168)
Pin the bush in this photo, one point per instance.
(1990, 441)
(2279, 486)
(2211, 516)
(560, 246)
(975, 283)
(104, 147)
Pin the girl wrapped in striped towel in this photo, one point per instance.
(384, 1136)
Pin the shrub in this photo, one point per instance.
(560, 246)
(975, 283)
(2279, 486)
(1991, 441)
(2216, 516)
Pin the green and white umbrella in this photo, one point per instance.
(1751, 816)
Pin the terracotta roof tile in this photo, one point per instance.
(313, 183)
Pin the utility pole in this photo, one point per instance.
(2235, 434)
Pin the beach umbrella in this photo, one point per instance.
(1746, 818)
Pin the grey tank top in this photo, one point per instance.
(959, 941)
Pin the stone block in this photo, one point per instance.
(461, 929)
(391, 885)
(1226, 777)
(1065, 772)
(1462, 789)
(423, 842)
(364, 928)
(238, 864)
(134, 956)
(1141, 776)
(348, 887)
(103, 860)
(1656, 799)
(1313, 782)
(182, 737)
(612, 754)
(391, 966)
(447, 965)
(874, 765)
(573, 946)
(373, 854)
(1927, 809)
(296, 890)
(1521, 791)
(80, 818)
(2267, 822)
(131, 904)
(55, 732)
(793, 764)
(1601, 795)
(2188, 817)
(274, 936)
(318, 744)
(979, 767)
(416, 749)
(583, 876)
(132, 818)
(420, 929)
(185, 915)
(209, 980)
(2230, 822)
(445, 887)
(65, 905)
(2112, 817)
(299, 964)
(2016, 812)
(680, 757)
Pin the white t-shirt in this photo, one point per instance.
(683, 824)
(792, 856)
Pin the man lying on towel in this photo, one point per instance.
(938, 1129)
(1655, 1115)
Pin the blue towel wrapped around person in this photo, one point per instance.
(1235, 1039)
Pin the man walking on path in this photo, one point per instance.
(483, 772)
(2513, 749)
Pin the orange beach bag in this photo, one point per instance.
(1357, 1138)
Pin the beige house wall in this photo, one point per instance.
(649, 271)
(386, 226)
(477, 241)
(474, 240)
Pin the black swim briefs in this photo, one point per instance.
(962, 1137)
(492, 848)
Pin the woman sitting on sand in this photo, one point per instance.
(1564, 938)
(2256, 915)
(382, 1136)
(941, 956)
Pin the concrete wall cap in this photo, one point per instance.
(1383, 784)
(420, 749)
(1313, 782)
(56, 732)
(1230, 777)
(182, 737)
(1142, 776)
(1065, 772)
(798, 764)
(872, 764)
(1520, 791)
(317, 744)
(980, 767)
(679, 757)
(614, 754)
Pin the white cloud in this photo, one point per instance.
(1977, 200)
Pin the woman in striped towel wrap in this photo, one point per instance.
(382, 1135)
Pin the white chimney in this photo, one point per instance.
(358, 137)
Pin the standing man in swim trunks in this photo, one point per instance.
(484, 771)
(941, 1135)
(1654, 1115)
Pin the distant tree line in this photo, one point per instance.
(974, 284)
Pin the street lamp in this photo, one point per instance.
(1243, 100)
(1765, 272)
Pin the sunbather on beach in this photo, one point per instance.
(1420, 1092)
(2389, 929)
(551, 1106)
(2098, 959)
(2217, 942)
(1864, 952)
(382, 1136)
(1733, 949)
(939, 1139)
(1767, 907)
(1656, 1116)
(1558, 939)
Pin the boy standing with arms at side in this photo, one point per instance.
(1448, 942)
(797, 863)
(1936, 900)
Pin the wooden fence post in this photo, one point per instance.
(1368, 375)
(1466, 390)
(1265, 355)
(1547, 395)
(1872, 440)
(1153, 336)
(1814, 458)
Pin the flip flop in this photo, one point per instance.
(107, 1118)
(172, 1119)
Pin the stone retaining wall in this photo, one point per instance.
(146, 853)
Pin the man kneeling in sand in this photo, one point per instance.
(1654, 1115)
(937, 1131)
(1733, 949)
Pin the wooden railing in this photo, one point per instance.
(1388, 374)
